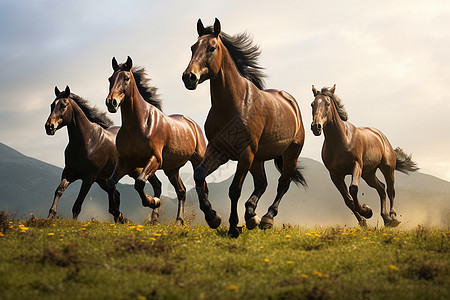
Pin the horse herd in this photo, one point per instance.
(246, 123)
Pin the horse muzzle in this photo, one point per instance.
(190, 80)
(50, 128)
(112, 104)
(316, 128)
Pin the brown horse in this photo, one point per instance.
(246, 122)
(91, 152)
(148, 138)
(348, 150)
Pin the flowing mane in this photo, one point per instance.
(92, 113)
(245, 55)
(147, 91)
(337, 102)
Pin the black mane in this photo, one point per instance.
(92, 113)
(244, 54)
(147, 91)
(337, 102)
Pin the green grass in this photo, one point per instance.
(42, 259)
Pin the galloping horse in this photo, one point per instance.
(91, 152)
(245, 123)
(148, 138)
(357, 151)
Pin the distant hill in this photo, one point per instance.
(27, 185)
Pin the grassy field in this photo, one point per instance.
(42, 259)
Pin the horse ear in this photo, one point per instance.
(333, 89)
(315, 91)
(216, 27)
(200, 28)
(67, 91)
(115, 65)
(57, 91)
(129, 63)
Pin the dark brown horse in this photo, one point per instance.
(246, 123)
(148, 138)
(91, 152)
(359, 152)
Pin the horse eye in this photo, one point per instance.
(327, 103)
(127, 78)
(212, 49)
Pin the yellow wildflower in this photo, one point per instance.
(304, 275)
(51, 233)
(232, 287)
(287, 236)
(1, 234)
(289, 262)
(142, 298)
(318, 273)
(392, 267)
(157, 234)
(266, 259)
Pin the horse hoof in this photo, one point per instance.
(154, 202)
(252, 222)
(215, 221)
(393, 214)
(266, 223)
(363, 223)
(179, 222)
(234, 232)
(366, 211)
(120, 219)
(392, 223)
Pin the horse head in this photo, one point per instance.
(206, 59)
(60, 111)
(119, 84)
(321, 111)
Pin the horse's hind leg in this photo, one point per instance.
(156, 184)
(389, 177)
(260, 183)
(289, 166)
(339, 182)
(175, 180)
(364, 210)
(373, 182)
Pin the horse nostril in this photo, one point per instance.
(192, 77)
(51, 126)
(319, 126)
(114, 102)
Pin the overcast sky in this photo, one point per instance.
(389, 59)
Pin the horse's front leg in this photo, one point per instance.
(212, 160)
(65, 182)
(149, 170)
(364, 210)
(339, 182)
(120, 170)
(156, 184)
(244, 164)
(85, 187)
(260, 185)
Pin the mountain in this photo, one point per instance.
(27, 185)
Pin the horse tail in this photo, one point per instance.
(404, 163)
(297, 177)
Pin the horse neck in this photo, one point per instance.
(335, 130)
(134, 109)
(228, 87)
(80, 128)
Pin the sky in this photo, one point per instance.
(390, 61)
